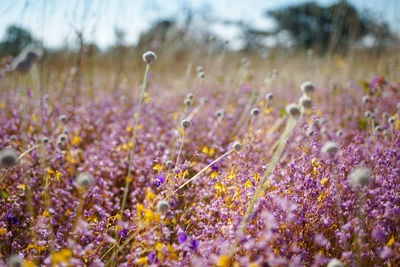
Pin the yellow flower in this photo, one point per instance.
(149, 195)
(139, 208)
(77, 140)
(45, 214)
(142, 261)
(324, 181)
(58, 174)
(3, 231)
(158, 167)
(159, 246)
(214, 175)
(321, 197)
(61, 256)
(391, 241)
(248, 184)
(223, 261)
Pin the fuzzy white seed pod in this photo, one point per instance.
(84, 180)
(269, 96)
(13, 137)
(219, 113)
(385, 115)
(200, 68)
(378, 128)
(188, 102)
(293, 110)
(255, 112)
(186, 123)
(8, 158)
(46, 97)
(330, 148)
(368, 114)
(324, 130)
(162, 206)
(339, 133)
(335, 263)
(149, 57)
(365, 99)
(307, 87)
(359, 176)
(237, 146)
(391, 120)
(66, 131)
(168, 163)
(63, 138)
(63, 118)
(306, 102)
(275, 72)
(15, 260)
(201, 75)
(310, 132)
(190, 96)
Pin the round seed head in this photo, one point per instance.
(201, 74)
(162, 206)
(307, 87)
(63, 118)
(46, 97)
(203, 101)
(306, 102)
(255, 112)
(269, 96)
(368, 114)
(322, 121)
(13, 137)
(359, 176)
(186, 123)
(365, 99)
(330, 148)
(15, 260)
(378, 128)
(385, 115)
(335, 263)
(168, 163)
(66, 131)
(309, 132)
(339, 133)
(391, 120)
(211, 38)
(200, 68)
(188, 102)
(293, 110)
(219, 113)
(149, 57)
(324, 130)
(63, 138)
(8, 158)
(237, 146)
(275, 72)
(84, 180)
(190, 96)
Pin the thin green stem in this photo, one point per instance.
(180, 149)
(204, 169)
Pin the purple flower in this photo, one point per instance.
(182, 237)
(194, 244)
(245, 87)
(151, 256)
(123, 233)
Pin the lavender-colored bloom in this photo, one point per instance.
(182, 237)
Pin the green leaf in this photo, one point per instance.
(283, 112)
(363, 124)
(4, 194)
(366, 85)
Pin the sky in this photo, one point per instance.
(54, 22)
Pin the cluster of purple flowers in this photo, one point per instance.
(60, 201)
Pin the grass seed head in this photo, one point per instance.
(359, 176)
(84, 180)
(149, 57)
(335, 263)
(162, 206)
(255, 112)
(293, 110)
(8, 158)
(307, 87)
(185, 123)
(237, 146)
(330, 148)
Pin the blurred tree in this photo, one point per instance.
(15, 40)
(334, 28)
